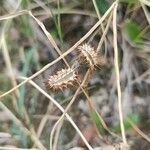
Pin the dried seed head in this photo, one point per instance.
(62, 79)
(89, 54)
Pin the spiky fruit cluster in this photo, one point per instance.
(65, 77)
(88, 55)
(62, 79)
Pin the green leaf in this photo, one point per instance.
(134, 118)
(24, 140)
(54, 33)
(24, 4)
(28, 59)
(132, 31)
(129, 1)
(102, 6)
(97, 120)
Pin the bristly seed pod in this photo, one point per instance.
(62, 79)
(89, 55)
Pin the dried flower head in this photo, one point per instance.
(89, 55)
(62, 79)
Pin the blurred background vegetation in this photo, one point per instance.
(25, 49)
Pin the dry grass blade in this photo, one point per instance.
(14, 15)
(59, 58)
(99, 17)
(57, 135)
(147, 14)
(116, 64)
(64, 54)
(141, 77)
(91, 106)
(9, 67)
(19, 123)
(44, 120)
(72, 100)
(15, 148)
(122, 40)
(104, 33)
(145, 2)
(143, 135)
(64, 11)
(61, 109)
(52, 41)
(67, 108)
